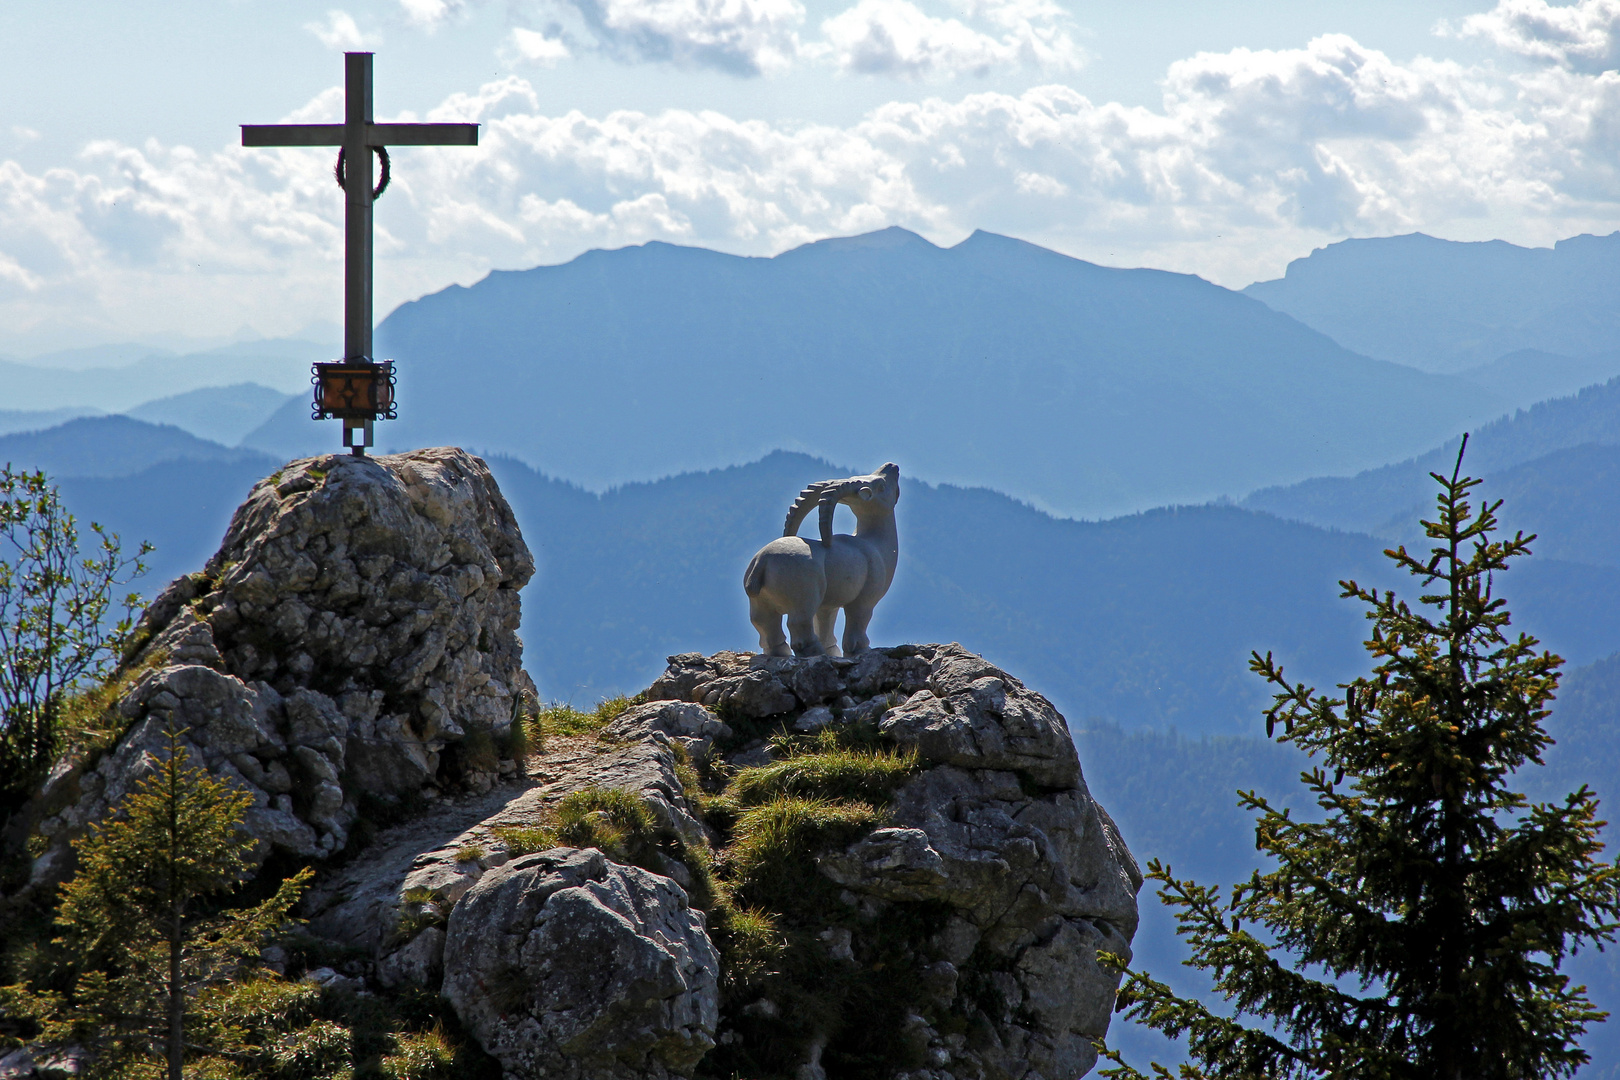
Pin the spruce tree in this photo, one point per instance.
(1416, 931)
(136, 925)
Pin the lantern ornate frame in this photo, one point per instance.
(356, 392)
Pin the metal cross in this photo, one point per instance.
(358, 136)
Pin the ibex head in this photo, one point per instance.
(882, 487)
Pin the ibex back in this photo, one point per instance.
(810, 580)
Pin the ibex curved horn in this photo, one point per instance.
(826, 494)
(800, 509)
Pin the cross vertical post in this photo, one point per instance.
(357, 99)
(357, 389)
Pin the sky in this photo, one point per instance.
(1202, 136)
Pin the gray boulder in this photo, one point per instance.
(566, 965)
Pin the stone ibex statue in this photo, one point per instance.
(809, 580)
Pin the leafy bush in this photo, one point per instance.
(58, 633)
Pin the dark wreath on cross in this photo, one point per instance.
(382, 185)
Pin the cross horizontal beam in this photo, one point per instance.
(375, 134)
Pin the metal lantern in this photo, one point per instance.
(356, 392)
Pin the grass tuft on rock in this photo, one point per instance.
(867, 776)
(526, 839)
(771, 863)
(559, 718)
(423, 1055)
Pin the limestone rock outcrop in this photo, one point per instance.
(994, 843)
(351, 646)
(381, 903)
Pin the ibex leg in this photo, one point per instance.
(772, 642)
(855, 620)
(802, 631)
(825, 620)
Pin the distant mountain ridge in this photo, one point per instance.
(1554, 463)
(1086, 390)
(114, 446)
(1446, 306)
(120, 383)
(222, 414)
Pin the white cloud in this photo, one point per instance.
(339, 31)
(1584, 36)
(743, 37)
(429, 14)
(1254, 157)
(896, 37)
(531, 46)
(874, 37)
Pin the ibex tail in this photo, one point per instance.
(754, 577)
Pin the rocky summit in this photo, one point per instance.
(349, 651)
(883, 866)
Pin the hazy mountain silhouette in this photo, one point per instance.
(1554, 463)
(1086, 390)
(1531, 375)
(1145, 620)
(112, 446)
(116, 382)
(1440, 305)
(222, 414)
(12, 420)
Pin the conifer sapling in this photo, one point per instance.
(133, 920)
(1416, 932)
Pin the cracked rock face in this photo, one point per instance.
(354, 638)
(566, 965)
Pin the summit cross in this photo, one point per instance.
(358, 136)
